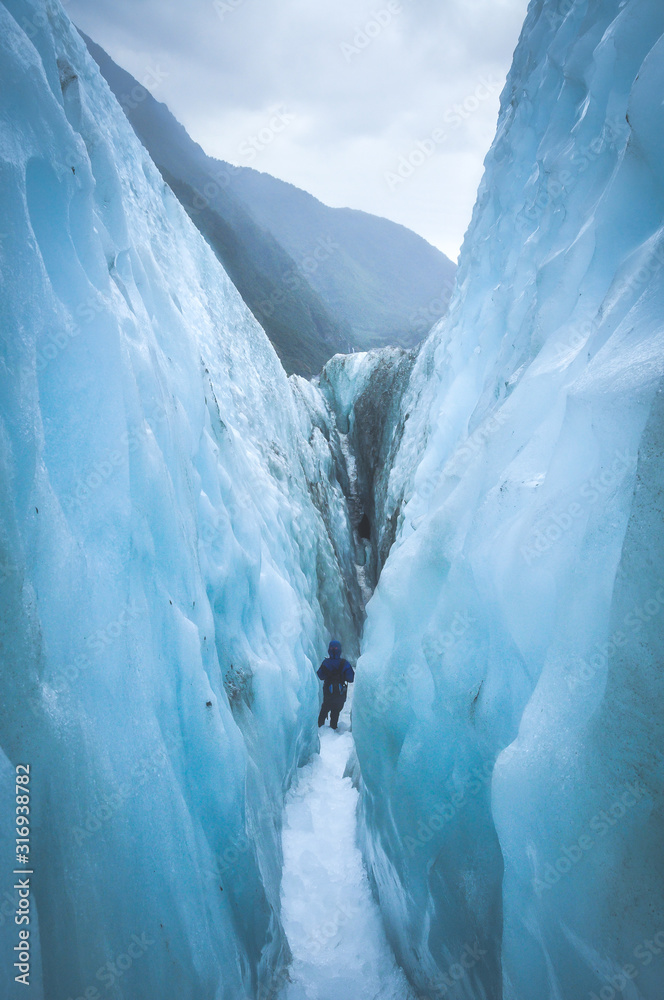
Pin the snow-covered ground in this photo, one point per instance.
(332, 922)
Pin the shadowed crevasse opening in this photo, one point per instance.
(365, 394)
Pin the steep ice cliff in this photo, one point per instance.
(364, 392)
(179, 535)
(168, 579)
(318, 279)
(509, 704)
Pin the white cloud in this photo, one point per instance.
(364, 81)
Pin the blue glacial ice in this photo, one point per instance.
(364, 393)
(508, 712)
(181, 531)
(168, 579)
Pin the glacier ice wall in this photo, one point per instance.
(364, 392)
(167, 580)
(509, 702)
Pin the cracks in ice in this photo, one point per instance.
(357, 516)
(331, 918)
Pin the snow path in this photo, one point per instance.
(334, 927)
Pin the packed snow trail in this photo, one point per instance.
(333, 925)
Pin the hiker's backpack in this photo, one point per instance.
(340, 685)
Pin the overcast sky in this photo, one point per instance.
(385, 106)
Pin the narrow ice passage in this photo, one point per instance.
(334, 927)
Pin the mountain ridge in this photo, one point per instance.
(320, 280)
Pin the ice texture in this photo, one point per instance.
(177, 543)
(364, 392)
(168, 582)
(510, 696)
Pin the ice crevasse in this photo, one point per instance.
(169, 574)
(172, 564)
(509, 703)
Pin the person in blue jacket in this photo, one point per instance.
(336, 674)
